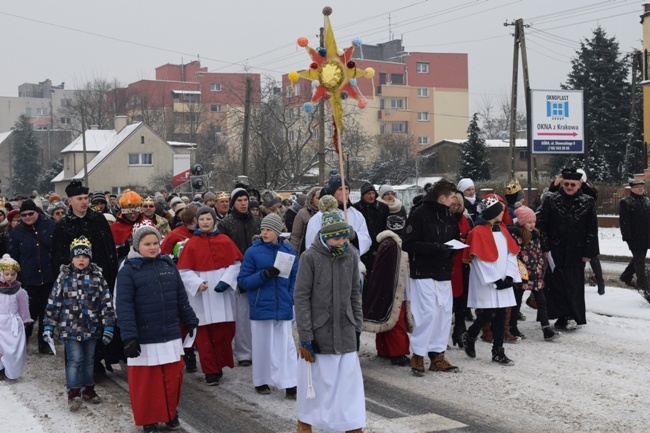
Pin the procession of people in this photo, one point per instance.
(153, 282)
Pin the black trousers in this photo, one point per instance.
(38, 296)
(542, 312)
(519, 294)
(496, 316)
(636, 266)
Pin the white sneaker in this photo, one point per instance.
(571, 325)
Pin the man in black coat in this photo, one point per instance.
(427, 230)
(634, 217)
(569, 233)
(376, 214)
(240, 226)
(81, 220)
(30, 244)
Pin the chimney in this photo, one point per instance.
(94, 127)
(120, 123)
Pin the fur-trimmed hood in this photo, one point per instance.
(389, 234)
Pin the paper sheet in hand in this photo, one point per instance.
(189, 341)
(284, 262)
(551, 262)
(50, 341)
(456, 245)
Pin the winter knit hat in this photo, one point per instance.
(635, 182)
(175, 201)
(209, 196)
(81, 247)
(570, 173)
(56, 205)
(525, 215)
(270, 198)
(366, 188)
(75, 188)
(301, 198)
(465, 183)
(54, 197)
(253, 204)
(492, 207)
(235, 194)
(140, 229)
(272, 222)
(207, 209)
(97, 197)
(334, 182)
(29, 205)
(333, 224)
(584, 175)
(9, 264)
(385, 189)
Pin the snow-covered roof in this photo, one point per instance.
(95, 141)
(181, 144)
(422, 180)
(519, 142)
(187, 92)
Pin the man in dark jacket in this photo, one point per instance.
(427, 230)
(30, 244)
(241, 226)
(569, 235)
(634, 217)
(81, 220)
(376, 215)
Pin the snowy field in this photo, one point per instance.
(594, 379)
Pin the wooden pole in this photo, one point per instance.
(345, 194)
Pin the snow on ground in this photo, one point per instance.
(591, 380)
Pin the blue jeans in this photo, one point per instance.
(80, 360)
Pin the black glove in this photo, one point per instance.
(221, 287)
(271, 272)
(448, 252)
(131, 348)
(503, 284)
(190, 330)
(358, 340)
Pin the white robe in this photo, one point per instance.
(14, 313)
(340, 402)
(355, 220)
(210, 306)
(482, 292)
(275, 360)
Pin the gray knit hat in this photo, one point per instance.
(141, 229)
(272, 222)
(207, 209)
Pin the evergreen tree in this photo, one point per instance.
(473, 154)
(635, 157)
(45, 179)
(26, 156)
(601, 72)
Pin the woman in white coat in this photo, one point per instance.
(209, 266)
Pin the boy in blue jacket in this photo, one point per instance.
(270, 297)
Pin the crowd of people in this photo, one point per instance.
(153, 279)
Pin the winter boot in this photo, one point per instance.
(74, 399)
(417, 365)
(190, 361)
(468, 315)
(468, 345)
(457, 334)
(439, 363)
(486, 334)
(151, 428)
(291, 393)
(507, 336)
(90, 396)
(358, 430)
(174, 424)
(303, 427)
(549, 334)
(499, 356)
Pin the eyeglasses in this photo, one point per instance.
(150, 206)
(59, 212)
(27, 214)
(571, 184)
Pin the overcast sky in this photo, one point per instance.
(76, 40)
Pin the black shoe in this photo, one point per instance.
(245, 363)
(549, 334)
(521, 317)
(45, 349)
(151, 428)
(626, 281)
(468, 345)
(468, 315)
(516, 332)
(173, 424)
(400, 361)
(291, 393)
(499, 356)
(190, 362)
(263, 389)
(212, 379)
(90, 396)
(2, 374)
(457, 338)
(601, 288)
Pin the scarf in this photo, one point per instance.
(394, 206)
(335, 251)
(10, 289)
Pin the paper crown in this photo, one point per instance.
(489, 202)
(81, 247)
(149, 199)
(143, 223)
(9, 264)
(130, 202)
(513, 187)
(222, 194)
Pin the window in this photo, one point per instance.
(398, 127)
(41, 112)
(190, 117)
(177, 118)
(215, 108)
(289, 91)
(423, 92)
(296, 90)
(66, 102)
(382, 104)
(65, 121)
(28, 111)
(523, 154)
(397, 104)
(142, 139)
(422, 67)
(423, 116)
(397, 78)
(382, 78)
(423, 140)
(215, 87)
(140, 158)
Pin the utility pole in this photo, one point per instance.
(513, 99)
(246, 132)
(83, 141)
(321, 128)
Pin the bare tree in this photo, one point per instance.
(396, 161)
(89, 105)
(495, 117)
